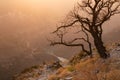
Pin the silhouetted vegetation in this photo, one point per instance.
(88, 16)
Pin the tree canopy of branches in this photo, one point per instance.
(89, 16)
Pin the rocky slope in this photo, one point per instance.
(84, 69)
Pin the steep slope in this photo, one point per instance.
(85, 69)
(93, 68)
(16, 64)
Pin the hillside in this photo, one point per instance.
(14, 50)
(84, 69)
(16, 64)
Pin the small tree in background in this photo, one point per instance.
(89, 17)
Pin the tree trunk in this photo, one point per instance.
(100, 47)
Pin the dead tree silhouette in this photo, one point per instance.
(89, 16)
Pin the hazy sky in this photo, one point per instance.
(39, 13)
(34, 14)
(29, 20)
(42, 8)
(25, 26)
(33, 20)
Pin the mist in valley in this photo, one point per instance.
(25, 27)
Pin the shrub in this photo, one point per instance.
(70, 68)
(76, 59)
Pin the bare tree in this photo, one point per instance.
(89, 15)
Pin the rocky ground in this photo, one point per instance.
(85, 68)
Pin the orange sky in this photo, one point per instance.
(30, 20)
(25, 26)
(35, 19)
(33, 16)
(38, 11)
(33, 7)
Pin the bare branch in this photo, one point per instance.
(110, 10)
(65, 26)
(90, 15)
(71, 45)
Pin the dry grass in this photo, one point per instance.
(113, 75)
(91, 69)
(85, 68)
(53, 77)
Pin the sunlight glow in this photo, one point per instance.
(55, 7)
